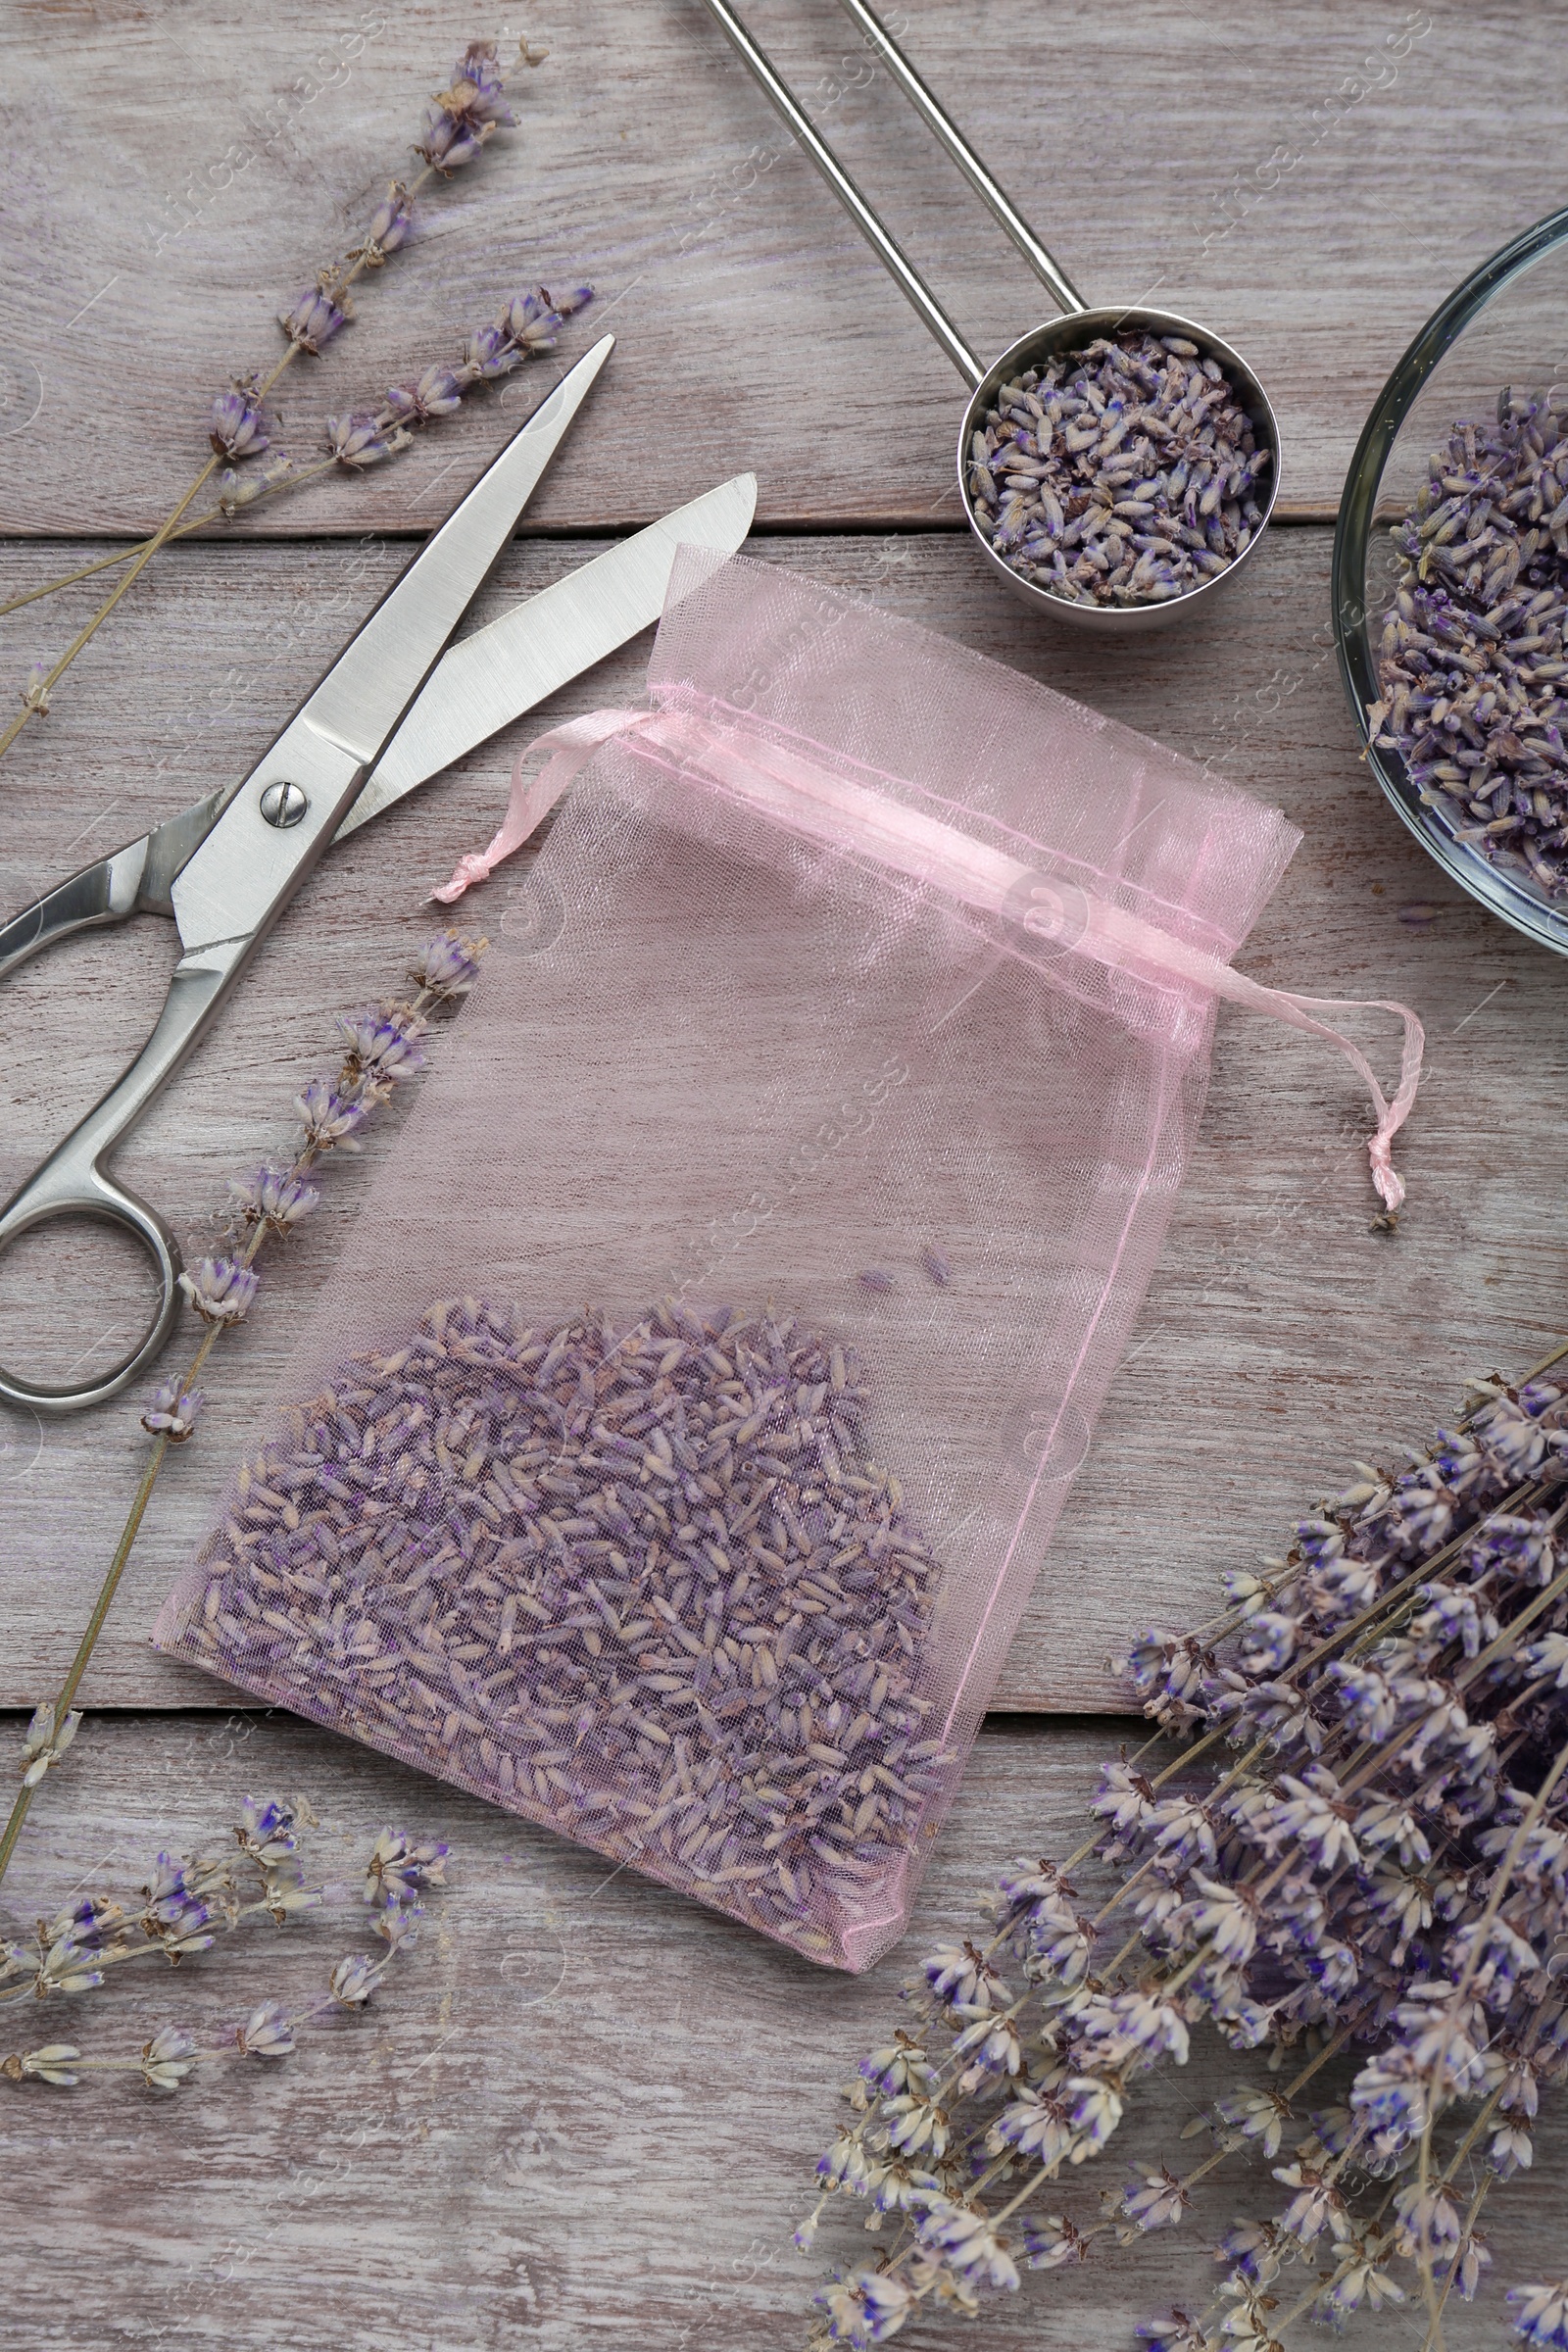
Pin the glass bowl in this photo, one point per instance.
(1507, 326)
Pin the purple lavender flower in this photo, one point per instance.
(383, 1042)
(437, 393)
(399, 1866)
(235, 430)
(866, 2308)
(391, 226)
(168, 2059)
(531, 323)
(265, 1831)
(1540, 2314)
(329, 1118)
(575, 297)
(313, 320)
(446, 141)
(478, 90)
(489, 353)
(968, 2243)
(354, 1979)
(361, 439)
(236, 490)
(220, 1288)
(171, 1411)
(276, 1198)
(449, 966)
(1154, 2201)
(268, 2032)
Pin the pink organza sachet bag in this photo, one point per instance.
(674, 1445)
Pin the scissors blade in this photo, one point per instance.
(275, 827)
(376, 676)
(517, 661)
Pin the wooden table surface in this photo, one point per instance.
(585, 2110)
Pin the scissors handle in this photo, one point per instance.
(71, 1180)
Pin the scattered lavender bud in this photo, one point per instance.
(1120, 474)
(361, 439)
(219, 1288)
(268, 2032)
(235, 430)
(172, 1412)
(35, 693)
(876, 1279)
(42, 1746)
(938, 1266)
(1473, 654)
(313, 320)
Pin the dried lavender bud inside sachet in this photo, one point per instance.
(647, 1586)
(1120, 474)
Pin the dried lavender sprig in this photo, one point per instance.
(1474, 651)
(1430, 1785)
(187, 1903)
(1120, 474)
(471, 108)
(367, 436)
(383, 1050)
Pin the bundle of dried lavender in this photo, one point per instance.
(1380, 1867)
(1475, 649)
(1120, 474)
(645, 1585)
(186, 1903)
(457, 123)
(383, 1051)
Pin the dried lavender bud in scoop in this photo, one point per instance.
(647, 1586)
(1120, 474)
(1472, 658)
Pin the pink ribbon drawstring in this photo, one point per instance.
(807, 798)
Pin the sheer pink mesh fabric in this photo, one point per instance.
(671, 1452)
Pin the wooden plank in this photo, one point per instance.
(1281, 1337)
(1288, 179)
(580, 2108)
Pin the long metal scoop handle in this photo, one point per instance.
(998, 203)
(910, 284)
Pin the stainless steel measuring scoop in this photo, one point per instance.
(1079, 325)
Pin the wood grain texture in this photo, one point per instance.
(1281, 1338)
(582, 2111)
(1244, 164)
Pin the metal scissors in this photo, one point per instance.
(393, 709)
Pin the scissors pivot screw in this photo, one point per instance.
(283, 805)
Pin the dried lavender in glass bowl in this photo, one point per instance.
(647, 1586)
(1120, 474)
(1473, 654)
